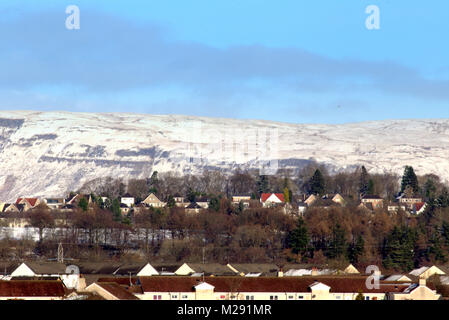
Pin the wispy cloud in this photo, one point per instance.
(110, 55)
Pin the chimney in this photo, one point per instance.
(280, 273)
(314, 271)
(422, 281)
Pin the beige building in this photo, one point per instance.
(376, 201)
(153, 201)
(277, 288)
(427, 272)
(110, 291)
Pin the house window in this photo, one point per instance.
(273, 297)
(366, 298)
(300, 297)
(184, 297)
(338, 297)
(222, 297)
(290, 297)
(157, 297)
(249, 297)
(174, 296)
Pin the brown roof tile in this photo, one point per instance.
(24, 288)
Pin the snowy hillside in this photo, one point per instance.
(48, 153)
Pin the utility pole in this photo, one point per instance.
(204, 255)
(60, 253)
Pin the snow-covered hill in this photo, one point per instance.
(48, 153)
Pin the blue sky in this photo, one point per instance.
(287, 60)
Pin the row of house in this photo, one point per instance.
(193, 281)
(128, 204)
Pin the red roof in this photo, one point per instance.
(31, 201)
(31, 288)
(265, 196)
(419, 205)
(266, 284)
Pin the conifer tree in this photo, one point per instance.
(363, 186)
(317, 183)
(409, 179)
(298, 238)
(286, 195)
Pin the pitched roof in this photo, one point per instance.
(371, 196)
(26, 288)
(419, 205)
(211, 268)
(31, 201)
(266, 284)
(98, 267)
(117, 290)
(194, 205)
(265, 196)
(264, 268)
(46, 267)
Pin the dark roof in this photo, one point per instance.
(211, 268)
(26, 288)
(117, 290)
(202, 199)
(265, 268)
(266, 284)
(7, 267)
(194, 205)
(371, 196)
(37, 278)
(123, 281)
(46, 267)
(165, 267)
(129, 268)
(127, 195)
(324, 203)
(98, 267)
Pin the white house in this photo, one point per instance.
(270, 199)
(147, 271)
(128, 200)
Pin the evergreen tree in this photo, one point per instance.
(338, 245)
(214, 204)
(370, 188)
(317, 183)
(191, 195)
(171, 203)
(430, 189)
(409, 179)
(398, 248)
(443, 198)
(262, 184)
(100, 202)
(154, 183)
(83, 204)
(435, 250)
(298, 238)
(360, 296)
(445, 232)
(363, 186)
(286, 195)
(116, 210)
(356, 249)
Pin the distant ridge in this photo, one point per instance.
(48, 153)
